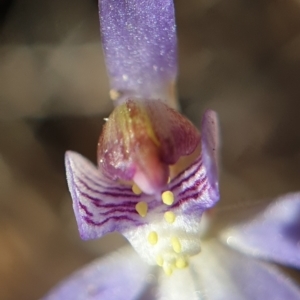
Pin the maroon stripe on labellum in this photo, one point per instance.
(82, 169)
(195, 196)
(98, 202)
(185, 179)
(111, 205)
(126, 206)
(85, 209)
(110, 185)
(119, 209)
(188, 171)
(117, 194)
(97, 198)
(115, 209)
(194, 187)
(115, 218)
(96, 183)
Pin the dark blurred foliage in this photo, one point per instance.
(239, 57)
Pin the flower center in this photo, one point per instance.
(169, 238)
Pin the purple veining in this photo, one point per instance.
(114, 218)
(99, 202)
(116, 195)
(181, 176)
(197, 186)
(82, 206)
(112, 205)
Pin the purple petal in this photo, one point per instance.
(225, 274)
(274, 234)
(139, 41)
(100, 205)
(121, 275)
(210, 142)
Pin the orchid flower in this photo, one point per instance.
(141, 190)
(219, 272)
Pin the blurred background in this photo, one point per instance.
(238, 57)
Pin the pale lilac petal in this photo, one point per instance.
(122, 275)
(100, 205)
(273, 234)
(139, 41)
(210, 142)
(225, 274)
